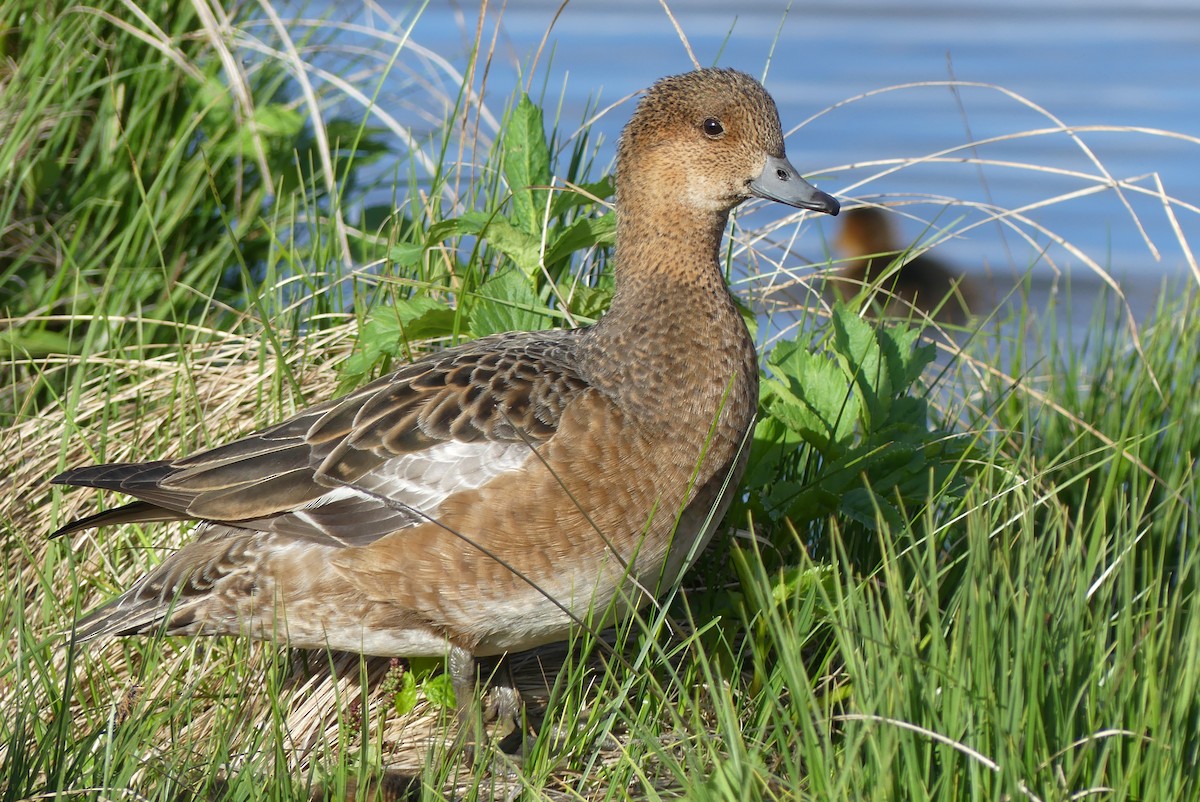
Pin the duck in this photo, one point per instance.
(498, 495)
(921, 286)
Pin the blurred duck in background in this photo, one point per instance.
(901, 285)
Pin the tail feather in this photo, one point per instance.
(141, 610)
(180, 594)
(121, 616)
(132, 513)
(128, 477)
(142, 480)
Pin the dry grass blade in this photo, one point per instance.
(687, 46)
(217, 26)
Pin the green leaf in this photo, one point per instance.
(584, 233)
(882, 362)
(389, 328)
(423, 318)
(527, 164)
(442, 230)
(811, 502)
(277, 120)
(406, 254)
(425, 667)
(507, 302)
(520, 247)
(36, 342)
(800, 583)
(874, 456)
(511, 241)
(864, 505)
(808, 393)
(216, 101)
(271, 120)
(406, 697)
(590, 302)
(567, 199)
(439, 691)
(855, 346)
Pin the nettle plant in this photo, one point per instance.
(845, 431)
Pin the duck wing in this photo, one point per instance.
(380, 459)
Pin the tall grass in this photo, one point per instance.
(977, 581)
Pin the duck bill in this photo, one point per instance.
(779, 181)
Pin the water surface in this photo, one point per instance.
(1086, 63)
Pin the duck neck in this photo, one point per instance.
(668, 265)
(683, 345)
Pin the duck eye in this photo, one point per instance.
(713, 128)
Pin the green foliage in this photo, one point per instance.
(843, 434)
(404, 685)
(134, 179)
(527, 164)
(512, 269)
(388, 329)
(915, 613)
(540, 236)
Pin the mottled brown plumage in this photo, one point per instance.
(919, 285)
(489, 497)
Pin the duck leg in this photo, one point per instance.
(505, 706)
(475, 707)
(463, 679)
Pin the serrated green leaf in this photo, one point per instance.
(856, 348)
(520, 247)
(567, 199)
(390, 328)
(442, 230)
(507, 302)
(905, 360)
(424, 318)
(806, 503)
(873, 453)
(406, 254)
(585, 232)
(883, 362)
(866, 507)
(589, 303)
(527, 164)
(514, 243)
(808, 392)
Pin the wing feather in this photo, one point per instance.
(375, 461)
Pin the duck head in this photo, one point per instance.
(708, 140)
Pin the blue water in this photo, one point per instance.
(1086, 63)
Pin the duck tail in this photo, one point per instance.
(132, 513)
(128, 614)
